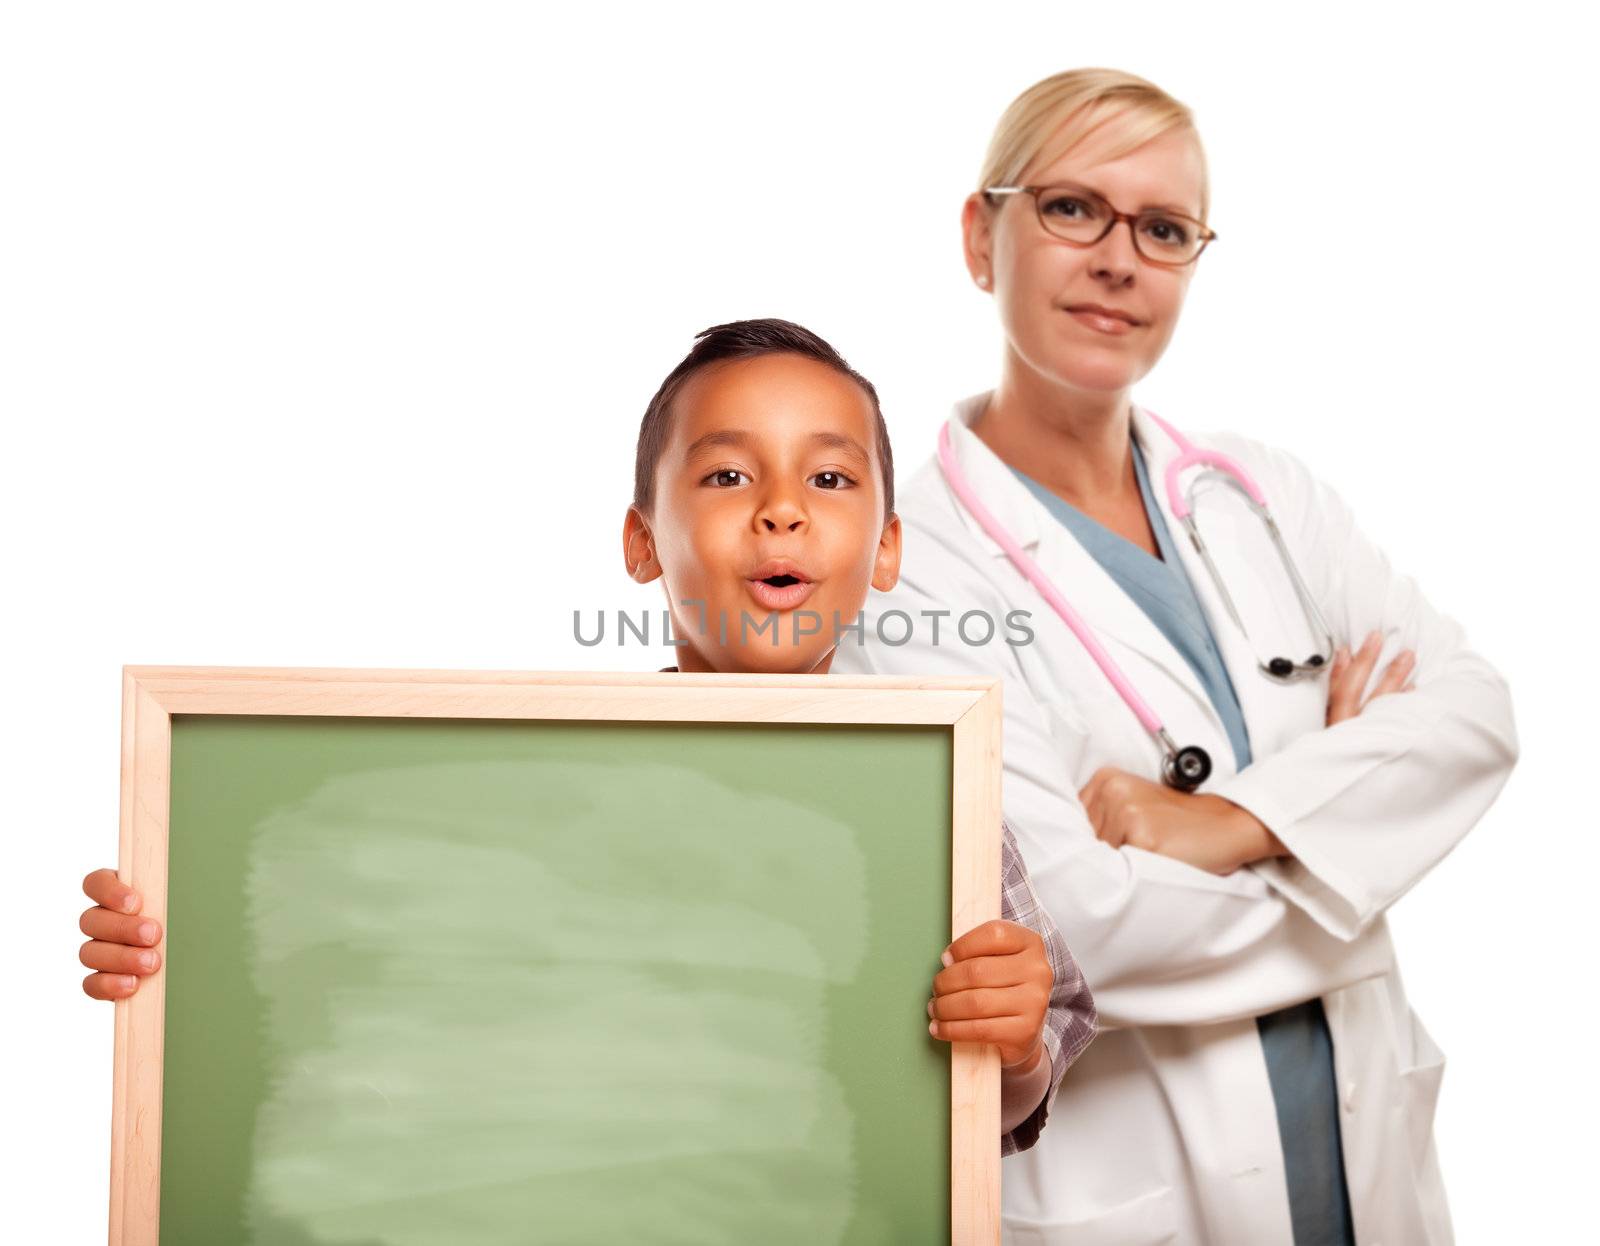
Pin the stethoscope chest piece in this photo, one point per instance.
(1183, 768)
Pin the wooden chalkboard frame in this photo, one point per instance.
(971, 708)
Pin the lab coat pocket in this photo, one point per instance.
(1070, 736)
(1148, 1220)
(1421, 1073)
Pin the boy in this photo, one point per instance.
(726, 513)
(763, 483)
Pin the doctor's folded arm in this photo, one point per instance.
(1260, 1076)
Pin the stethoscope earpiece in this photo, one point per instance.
(1284, 669)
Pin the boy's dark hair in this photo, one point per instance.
(744, 339)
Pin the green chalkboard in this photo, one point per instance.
(454, 983)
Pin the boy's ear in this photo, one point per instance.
(639, 548)
(886, 567)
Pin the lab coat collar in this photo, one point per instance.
(1079, 578)
(1007, 498)
(1012, 502)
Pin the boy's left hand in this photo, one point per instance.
(995, 989)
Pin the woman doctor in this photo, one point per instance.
(1261, 1077)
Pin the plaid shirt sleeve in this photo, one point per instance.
(1070, 1020)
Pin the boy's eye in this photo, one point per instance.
(719, 478)
(832, 480)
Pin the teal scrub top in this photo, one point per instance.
(1295, 1041)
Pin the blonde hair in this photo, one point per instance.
(1053, 116)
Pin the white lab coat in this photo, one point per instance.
(1165, 1130)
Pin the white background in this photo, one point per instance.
(325, 331)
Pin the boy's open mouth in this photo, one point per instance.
(779, 584)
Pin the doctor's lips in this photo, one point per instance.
(1106, 319)
(780, 584)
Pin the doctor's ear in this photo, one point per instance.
(886, 565)
(639, 548)
(977, 238)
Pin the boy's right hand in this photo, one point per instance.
(994, 988)
(121, 943)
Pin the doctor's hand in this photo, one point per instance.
(995, 988)
(1348, 676)
(120, 941)
(1205, 831)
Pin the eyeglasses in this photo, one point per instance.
(1078, 215)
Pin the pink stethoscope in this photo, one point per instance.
(1183, 768)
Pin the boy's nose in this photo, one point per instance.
(780, 512)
